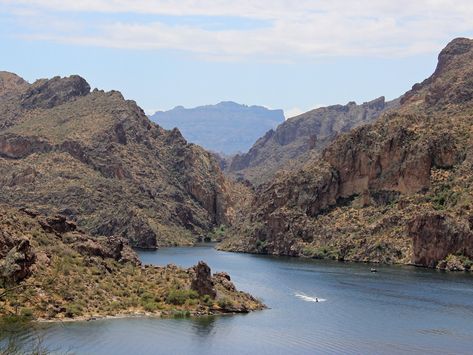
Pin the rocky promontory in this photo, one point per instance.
(51, 270)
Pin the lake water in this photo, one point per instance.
(396, 310)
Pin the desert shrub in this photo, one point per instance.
(150, 306)
(207, 300)
(324, 252)
(27, 313)
(179, 297)
(73, 310)
(224, 302)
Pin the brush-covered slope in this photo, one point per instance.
(49, 269)
(96, 158)
(291, 142)
(399, 190)
(225, 128)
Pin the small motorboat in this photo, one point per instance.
(373, 270)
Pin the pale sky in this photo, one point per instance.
(294, 55)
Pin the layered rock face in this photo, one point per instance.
(97, 159)
(372, 193)
(292, 141)
(436, 236)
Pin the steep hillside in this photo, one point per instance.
(399, 190)
(295, 138)
(226, 127)
(49, 269)
(97, 159)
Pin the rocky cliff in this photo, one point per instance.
(291, 143)
(97, 159)
(398, 190)
(50, 269)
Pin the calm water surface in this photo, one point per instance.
(396, 310)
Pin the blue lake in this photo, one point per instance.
(396, 310)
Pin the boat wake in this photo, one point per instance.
(308, 298)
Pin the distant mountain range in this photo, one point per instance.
(226, 127)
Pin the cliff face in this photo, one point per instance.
(294, 139)
(372, 193)
(226, 127)
(96, 158)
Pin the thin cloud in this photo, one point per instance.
(307, 29)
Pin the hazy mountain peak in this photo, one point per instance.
(226, 127)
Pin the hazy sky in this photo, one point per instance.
(294, 55)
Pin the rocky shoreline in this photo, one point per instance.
(51, 270)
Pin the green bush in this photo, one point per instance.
(325, 252)
(73, 310)
(179, 297)
(224, 303)
(150, 306)
(207, 300)
(27, 313)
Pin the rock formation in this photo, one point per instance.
(435, 236)
(202, 280)
(96, 159)
(293, 141)
(397, 190)
(16, 259)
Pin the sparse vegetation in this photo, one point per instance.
(180, 297)
(68, 284)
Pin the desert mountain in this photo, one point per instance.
(291, 141)
(398, 190)
(97, 159)
(226, 127)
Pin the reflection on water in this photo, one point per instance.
(396, 310)
(203, 326)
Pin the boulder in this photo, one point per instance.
(57, 224)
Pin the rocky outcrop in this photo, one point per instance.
(441, 92)
(224, 279)
(16, 260)
(202, 280)
(17, 147)
(294, 139)
(116, 248)
(46, 93)
(57, 224)
(435, 236)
